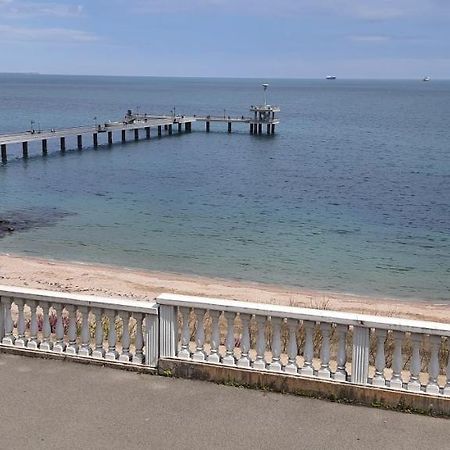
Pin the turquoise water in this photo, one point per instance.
(351, 195)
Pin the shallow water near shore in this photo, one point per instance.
(351, 195)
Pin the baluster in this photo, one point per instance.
(432, 386)
(324, 371)
(85, 349)
(341, 372)
(21, 340)
(308, 352)
(111, 354)
(380, 359)
(414, 381)
(447, 386)
(59, 346)
(99, 351)
(275, 364)
(397, 361)
(244, 360)
(33, 343)
(138, 357)
(260, 362)
(214, 356)
(9, 337)
(199, 354)
(229, 360)
(72, 347)
(46, 344)
(292, 366)
(125, 354)
(185, 335)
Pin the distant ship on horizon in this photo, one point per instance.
(330, 77)
(427, 78)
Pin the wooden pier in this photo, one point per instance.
(141, 125)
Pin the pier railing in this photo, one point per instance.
(106, 329)
(398, 354)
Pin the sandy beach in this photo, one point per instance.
(114, 281)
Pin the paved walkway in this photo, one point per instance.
(47, 404)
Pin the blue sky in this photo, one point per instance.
(229, 38)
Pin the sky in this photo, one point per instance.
(227, 38)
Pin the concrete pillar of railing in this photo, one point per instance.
(167, 331)
(360, 355)
(151, 340)
(2, 319)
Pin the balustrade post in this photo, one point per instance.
(59, 346)
(380, 359)
(185, 334)
(72, 347)
(21, 340)
(99, 351)
(292, 366)
(260, 362)
(414, 381)
(447, 386)
(168, 334)
(2, 319)
(85, 349)
(244, 360)
(125, 354)
(46, 344)
(341, 372)
(308, 352)
(112, 353)
(432, 386)
(199, 354)
(214, 356)
(8, 338)
(397, 361)
(151, 340)
(275, 364)
(138, 357)
(33, 343)
(360, 355)
(229, 359)
(324, 371)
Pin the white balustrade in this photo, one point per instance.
(45, 321)
(320, 356)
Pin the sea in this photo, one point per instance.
(352, 193)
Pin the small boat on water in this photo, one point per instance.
(330, 77)
(427, 78)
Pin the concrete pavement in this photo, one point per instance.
(47, 404)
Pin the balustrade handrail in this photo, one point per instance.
(290, 312)
(137, 306)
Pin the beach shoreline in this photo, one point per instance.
(115, 281)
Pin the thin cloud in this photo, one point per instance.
(56, 35)
(22, 9)
(370, 38)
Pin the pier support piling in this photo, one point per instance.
(25, 149)
(187, 127)
(273, 129)
(44, 147)
(170, 129)
(260, 128)
(251, 128)
(147, 132)
(124, 136)
(207, 126)
(95, 139)
(229, 127)
(268, 128)
(165, 127)
(79, 142)
(159, 130)
(179, 127)
(4, 153)
(110, 138)
(136, 134)
(62, 144)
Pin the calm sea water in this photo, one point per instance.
(352, 194)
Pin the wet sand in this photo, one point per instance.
(140, 284)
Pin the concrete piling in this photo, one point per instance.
(124, 136)
(110, 138)
(4, 153)
(44, 147)
(95, 139)
(136, 134)
(159, 130)
(147, 132)
(62, 144)
(79, 142)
